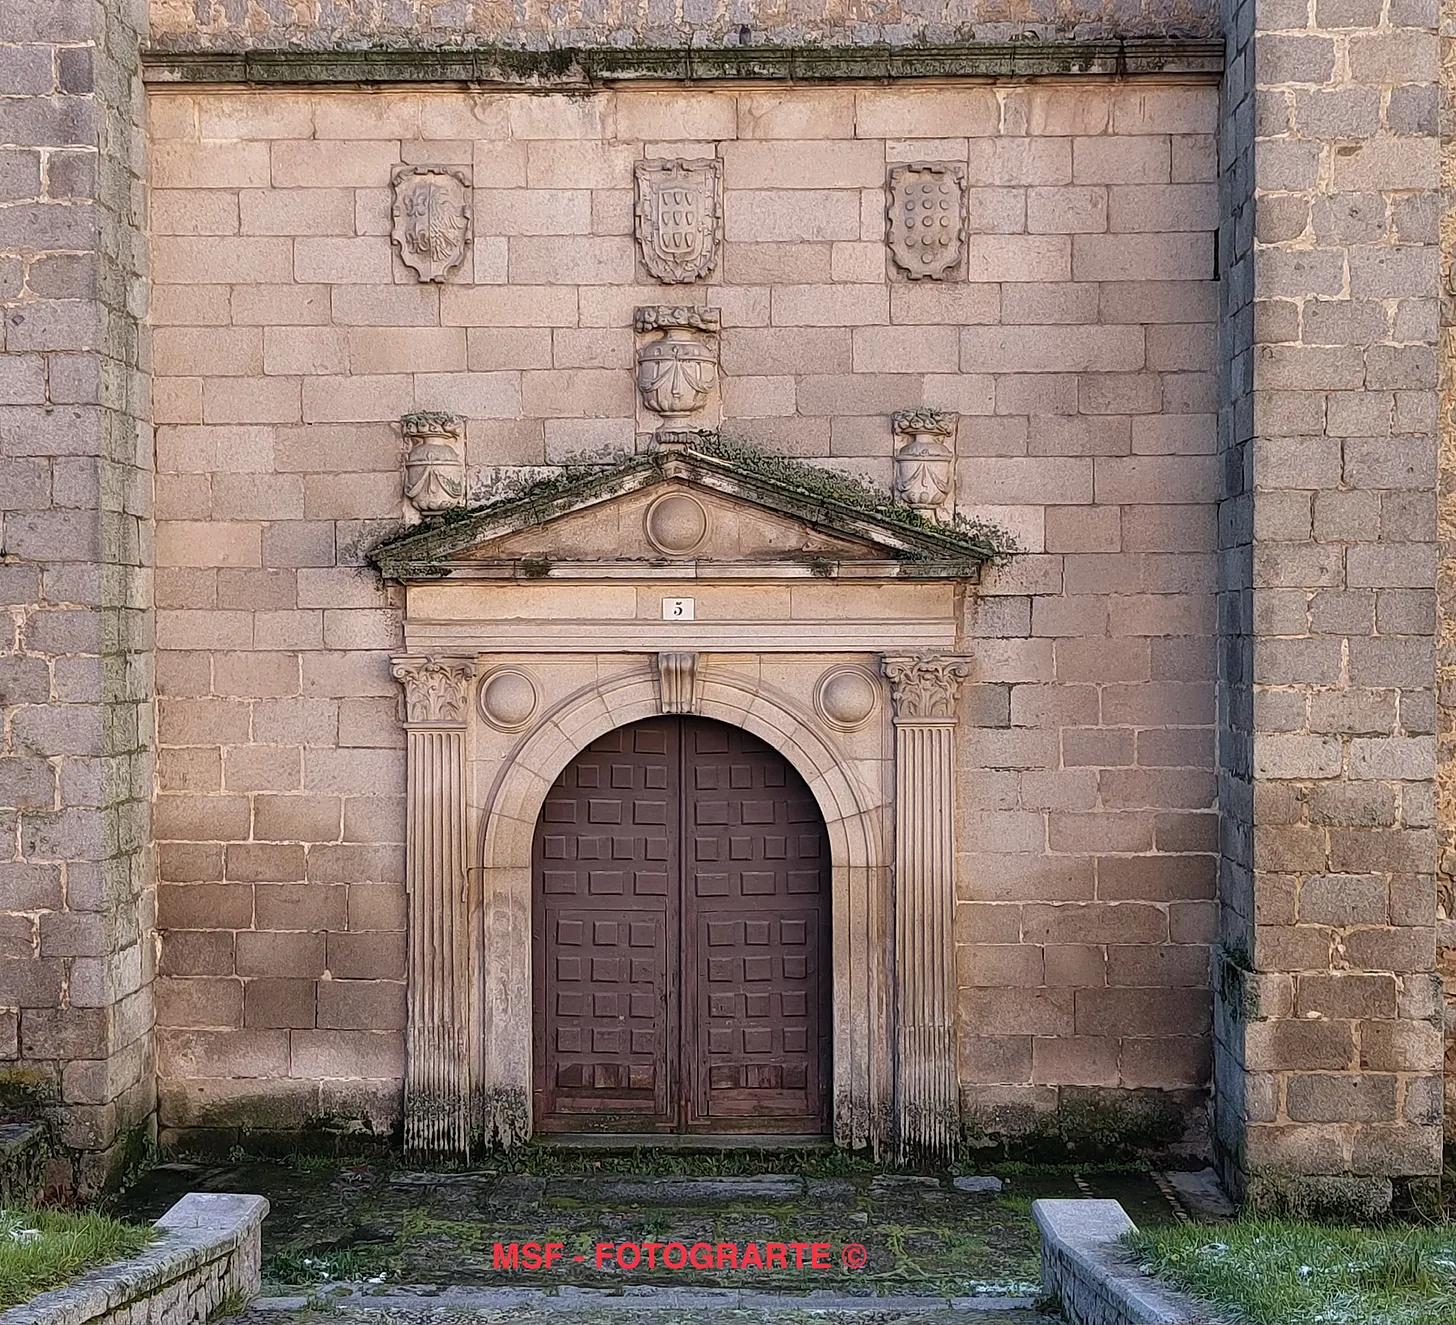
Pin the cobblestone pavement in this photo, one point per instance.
(266, 1313)
(354, 1241)
(379, 1223)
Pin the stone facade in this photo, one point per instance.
(289, 341)
(77, 866)
(1178, 459)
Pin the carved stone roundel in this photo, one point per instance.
(846, 697)
(508, 698)
(676, 524)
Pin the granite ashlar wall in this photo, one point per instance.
(1330, 1014)
(1077, 347)
(77, 868)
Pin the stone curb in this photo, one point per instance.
(1083, 1266)
(210, 1246)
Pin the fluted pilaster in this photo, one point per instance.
(439, 1103)
(927, 1086)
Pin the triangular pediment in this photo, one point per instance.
(707, 508)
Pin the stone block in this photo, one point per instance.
(515, 305)
(1016, 258)
(1293, 1046)
(811, 113)
(271, 1003)
(295, 955)
(1040, 1011)
(1143, 1012)
(663, 116)
(347, 1053)
(1344, 1098)
(373, 1005)
(790, 215)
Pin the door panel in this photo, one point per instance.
(755, 927)
(681, 935)
(604, 929)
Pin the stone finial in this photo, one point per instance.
(434, 465)
(678, 369)
(431, 219)
(925, 461)
(679, 217)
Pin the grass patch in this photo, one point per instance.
(43, 1249)
(1271, 1271)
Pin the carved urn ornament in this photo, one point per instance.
(678, 369)
(679, 217)
(925, 461)
(434, 465)
(925, 218)
(431, 219)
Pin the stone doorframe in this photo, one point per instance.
(469, 1039)
(858, 875)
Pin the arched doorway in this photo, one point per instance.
(681, 938)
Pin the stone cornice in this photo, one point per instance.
(508, 67)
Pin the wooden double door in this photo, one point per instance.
(680, 923)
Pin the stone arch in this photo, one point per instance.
(853, 815)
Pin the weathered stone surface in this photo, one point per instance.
(1324, 794)
(178, 25)
(77, 873)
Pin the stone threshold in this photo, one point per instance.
(687, 1142)
(646, 1297)
(568, 68)
(1084, 1267)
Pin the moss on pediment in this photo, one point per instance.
(823, 498)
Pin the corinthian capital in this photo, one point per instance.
(436, 690)
(924, 686)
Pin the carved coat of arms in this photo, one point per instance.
(431, 219)
(925, 218)
(679, 217)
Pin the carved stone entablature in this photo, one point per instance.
(924, 686)
(436, 690)
(678, 368)
(434, 465)
(679, 217)
(925, 218)
(925, 461)
(676, 681)
(431, 219)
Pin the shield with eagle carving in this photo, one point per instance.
(431, 219)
